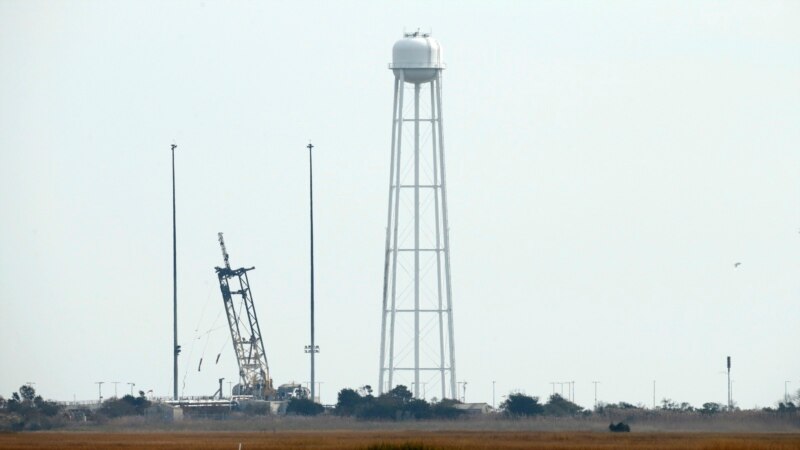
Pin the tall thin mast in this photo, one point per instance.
(175, 347)
(313, 348)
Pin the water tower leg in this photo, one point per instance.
(416, 240)
(436, 193)
(395, 225)
(387, 255)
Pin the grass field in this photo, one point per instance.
(406, 440)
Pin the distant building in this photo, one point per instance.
(474, 408)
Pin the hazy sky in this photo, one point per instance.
(608, 163)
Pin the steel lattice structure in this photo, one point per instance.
(248, 346)
(417, 339)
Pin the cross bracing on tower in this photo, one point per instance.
(254, 379)
(417, 345)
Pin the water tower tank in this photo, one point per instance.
(418, 56)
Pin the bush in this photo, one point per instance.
(125, 406)
(397, 404)
(559, 406)
(304, 407)
(711, 408)
(522, 405)
(619, 428)
(27, 411)
(348, 402)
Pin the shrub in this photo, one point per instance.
(27, 411)
(522, 405)
(304, 407)
(559, 406)
(125, 406)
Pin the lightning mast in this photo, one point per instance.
(248, 346)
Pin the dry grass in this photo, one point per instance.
(401, 440)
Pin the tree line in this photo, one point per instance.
(26, 410)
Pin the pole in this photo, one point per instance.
(132, 385)
(654, 394)
(313, 349)
(99, 390)
(416, 241)
(175, 347)
(595, 393)
(730, 396)
(493, 382)
(388, 237)
(786, 392)
(115, 388)
(446, 230)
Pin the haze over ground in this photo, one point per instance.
(608, 163)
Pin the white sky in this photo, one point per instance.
(608, 163)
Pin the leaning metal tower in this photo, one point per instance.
(417, 348)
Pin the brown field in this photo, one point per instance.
(406, 440)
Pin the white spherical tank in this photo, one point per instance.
(418, 57)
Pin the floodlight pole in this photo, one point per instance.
(100, 389)
(175, 347)
(312, 349)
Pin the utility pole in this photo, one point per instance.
(786, 391)
(132, 385)
(311, 349)
(99, 389)
(654, 394)
(175, 347)
(553, 383)
(115, 383)
(493, 382)
(595, 393)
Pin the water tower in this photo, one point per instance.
(417, 348)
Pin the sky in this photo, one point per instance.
(607, 165)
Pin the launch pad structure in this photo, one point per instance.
(248, 345)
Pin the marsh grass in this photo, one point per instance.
(402, 440)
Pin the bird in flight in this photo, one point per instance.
(735, 265)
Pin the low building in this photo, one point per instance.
(474, 408)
